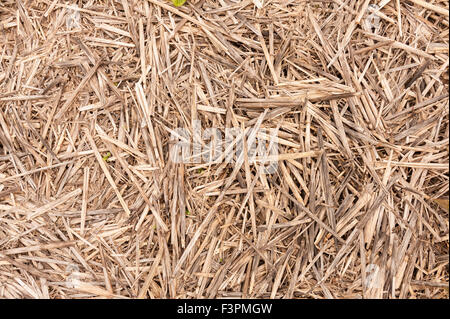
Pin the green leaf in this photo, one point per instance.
(178, 3)
(108, 155)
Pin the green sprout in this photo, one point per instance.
(178, 3)
(188, 212)
(200, 170)
(107, 156)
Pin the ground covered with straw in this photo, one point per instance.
(92, 206)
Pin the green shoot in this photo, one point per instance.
(107, 156)
(178, 3)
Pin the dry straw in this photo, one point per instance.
(92, 207)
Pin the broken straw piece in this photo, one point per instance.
(73, 18)
(259, 3)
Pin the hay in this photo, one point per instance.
(91, 206)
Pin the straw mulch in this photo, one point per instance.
(91, 205)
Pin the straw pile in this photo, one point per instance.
(91, 206)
